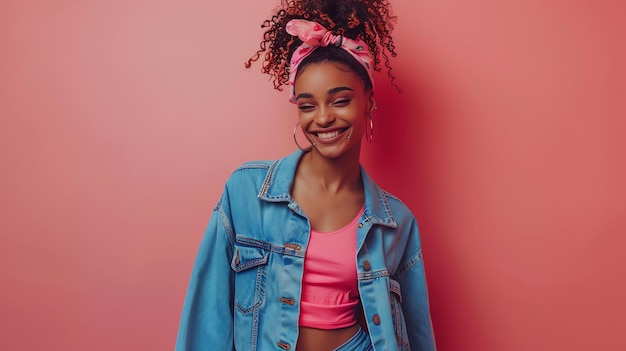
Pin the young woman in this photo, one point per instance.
(307, 252)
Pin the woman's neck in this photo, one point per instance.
(332, 175)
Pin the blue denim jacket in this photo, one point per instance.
(246, 282)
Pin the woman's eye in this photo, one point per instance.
(341, 102)
(304, 107)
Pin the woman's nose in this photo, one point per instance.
(324, 116)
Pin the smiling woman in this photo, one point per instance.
(333, 106)
(307, 251)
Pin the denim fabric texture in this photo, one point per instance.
(359, 342)
(246, 282)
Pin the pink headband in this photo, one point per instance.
(313, 36)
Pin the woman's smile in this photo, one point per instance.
(329, 137)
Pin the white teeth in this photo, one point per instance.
(328, 135)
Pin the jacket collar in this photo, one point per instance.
(279, 179)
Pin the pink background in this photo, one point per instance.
(121, 120)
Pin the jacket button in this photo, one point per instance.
(376, 319)
(293, 247)
(367, 266)
(360, 225)
(287, 301)
(283, 345)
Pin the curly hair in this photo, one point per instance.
(370, 20)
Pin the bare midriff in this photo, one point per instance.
(312, 339)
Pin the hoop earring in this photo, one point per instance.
(295, 129)
(371, 133)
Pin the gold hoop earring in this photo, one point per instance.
(295, 129)
(371, 133)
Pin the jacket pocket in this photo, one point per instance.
(399, 324)
(250, 266)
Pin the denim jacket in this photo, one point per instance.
(246, 282)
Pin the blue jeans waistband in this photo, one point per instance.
(359, 342)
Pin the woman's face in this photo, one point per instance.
(332, 108)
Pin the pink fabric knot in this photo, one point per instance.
(313, 36)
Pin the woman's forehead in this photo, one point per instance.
(327, 75)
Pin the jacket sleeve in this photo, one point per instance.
(207, 317)
(415, 305)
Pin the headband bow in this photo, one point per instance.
(313, 36)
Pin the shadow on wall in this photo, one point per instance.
(412, 156)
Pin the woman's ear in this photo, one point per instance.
(372, 106)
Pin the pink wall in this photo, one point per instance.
(120, 121)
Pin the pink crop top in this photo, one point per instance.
(330, 292)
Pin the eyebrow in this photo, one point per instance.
(338, 89)
(330, 92)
